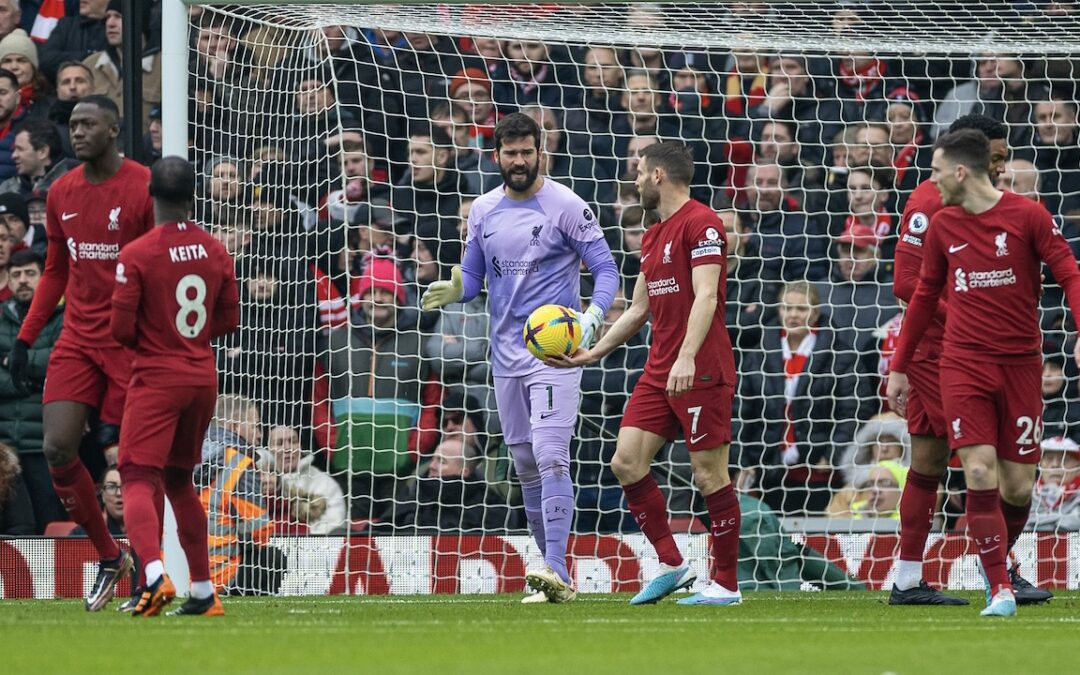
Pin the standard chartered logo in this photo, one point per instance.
(664, 286)
(961, 280)
(988, 279)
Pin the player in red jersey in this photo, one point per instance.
(926, 422)
(988, 246)
(689, 378)
(92, 212)
(175, 290)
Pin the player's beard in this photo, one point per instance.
(520, 182)
(650, 195)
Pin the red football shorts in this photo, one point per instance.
(165, 426)
(703, 415)
(994, 404)
(95, 376)
(925, 414)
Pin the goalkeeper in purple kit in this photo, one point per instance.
(528, 239)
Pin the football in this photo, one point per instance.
(551, 330)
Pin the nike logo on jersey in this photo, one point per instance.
(1026, 451)
(988, 550)
(546, 415)
(488, 234)
(68, 216)
(697, 439)
(954, 248)
(645, 256)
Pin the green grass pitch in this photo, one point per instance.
(435, 635)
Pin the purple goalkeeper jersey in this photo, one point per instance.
(530, 252)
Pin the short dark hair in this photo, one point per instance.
(882, 175)
(7, 74)
(991, 128)
(103, 103)
(26, 256)
(674, 157)
(42, 134)
(75, 64)
(439, 137)
(515, 126)
(172, 180)
(969, 147)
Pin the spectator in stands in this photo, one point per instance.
(1020, 176)
(871, 145)
(38, 155)
(745, 74)
(20, 410)
(795, 96)
(1056, 151)
(221, 72)
(462, 419)
(470, 92)
(744, 312)
(429, 194)
(877, 495)
(799, 402)
(74, 81)
(16, 511)
(859, 296)
(532, 74)
(1055, 500)
(777, 144)
(458, 347)
(475, 165)
(11, 114)
(911, 149)
(10, 16)
(7, 244)
(223, 186)
(643, 104)
(23, 229)
(76, 37)
(106, 67)
(450, 495)
(881, 438)
(463, 217)
(868, 196)
(19, 54)
(383, 388)
(999, 90)
(589, 128)
(309, 496)
(862, 80)
(1061, 413)
(271, 357)
(634, 220)
(112, 503)
(241, 560)
(555, 162)
(790, 245)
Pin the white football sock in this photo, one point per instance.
(201, 590)
(154, 570)
(908, 574)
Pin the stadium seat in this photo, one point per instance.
(373, 435)
(60, 528)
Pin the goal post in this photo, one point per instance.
(338, 146)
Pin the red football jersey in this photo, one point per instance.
(87, 225)
(921, 206)
(175, 289)
(991, 262)
(692, 236)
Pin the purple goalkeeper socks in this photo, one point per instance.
(558, 502)
(532, 495)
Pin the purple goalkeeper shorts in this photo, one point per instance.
(549, 398)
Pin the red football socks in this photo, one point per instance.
(724, 536)
(917, 505)
(143, 492)
(1015, 519)
(986, 527)
(649, 509)
(190, 521)
(75, 489)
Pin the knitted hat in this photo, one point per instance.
(469, 76)
(382, 273)
(12, 202)
(859, 236)
(18, 42)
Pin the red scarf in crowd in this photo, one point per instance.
(794, 365)
(882, 225)
(904, 158)
(863, 80)
(739, 96)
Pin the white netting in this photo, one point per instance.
(811, 125)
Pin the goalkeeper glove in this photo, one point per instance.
(591, 320)
(441, 293)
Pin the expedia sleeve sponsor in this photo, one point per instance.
(709, 244)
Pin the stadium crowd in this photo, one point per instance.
(339, 169)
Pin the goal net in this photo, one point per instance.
(339, 148)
